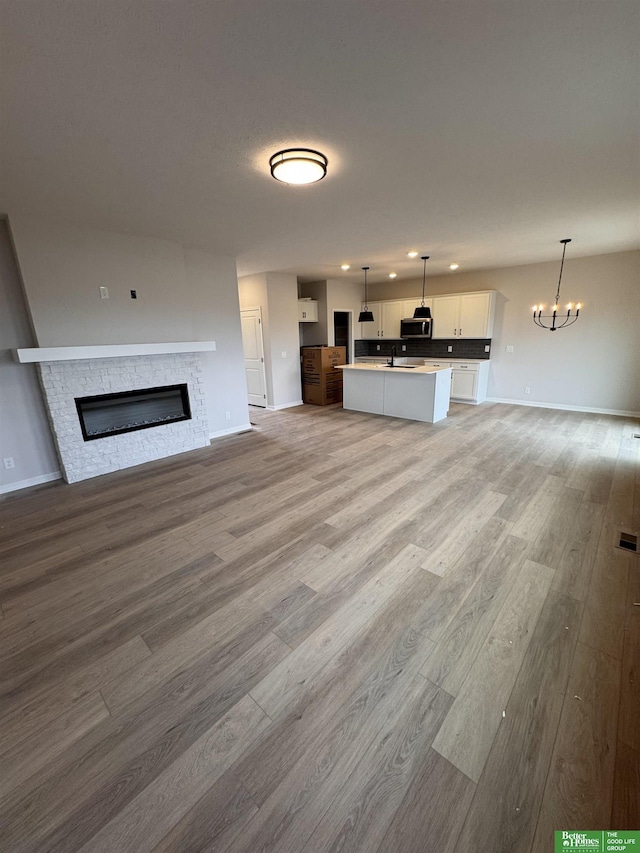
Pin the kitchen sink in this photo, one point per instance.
(400, 366)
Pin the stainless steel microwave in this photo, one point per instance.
(413, 328)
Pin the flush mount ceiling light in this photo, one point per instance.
(412, 254)
(558, 321)
(345, 267)
(393, 275)
(298, 166)
(422, 312)
(365, 316)
(453, 266)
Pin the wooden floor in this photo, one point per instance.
(335, 632)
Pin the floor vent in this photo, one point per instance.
(628, 542)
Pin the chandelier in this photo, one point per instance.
(558, 318)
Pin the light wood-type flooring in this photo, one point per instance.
(335, 632)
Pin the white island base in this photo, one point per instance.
(418, 394)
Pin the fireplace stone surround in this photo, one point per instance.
(64, 378)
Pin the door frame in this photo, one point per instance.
(350, 332)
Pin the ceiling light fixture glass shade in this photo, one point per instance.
(422, 312)
(298, 166)
(558, 319)
(365, 315)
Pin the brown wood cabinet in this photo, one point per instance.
(321, 382)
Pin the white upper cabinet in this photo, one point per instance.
(307, 311)
(460, 315)
(371, 331)
(386, 320)
(445, 313)
(392, 314)
(410, 306)
(463, 315)
(476, 315)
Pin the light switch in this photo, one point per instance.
(283, 354)
(509, 349)
(104, 293)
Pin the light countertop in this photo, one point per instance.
(417, 369)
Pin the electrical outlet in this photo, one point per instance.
(527, 390)
(487, 348)
(283, 354)
(104, 293)
(378, 347)
(227, 416)
(509, 349)
(449, 349)
(404, 347)
(134, 294)
(8, 462)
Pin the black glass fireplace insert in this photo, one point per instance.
(127, 411)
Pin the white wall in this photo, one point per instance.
(595, 364)
(24, 429)
(284, 339)
(212, 282)
(332, 295)
(277, 295)
(315, 334)
(344, 296)
(182, 295)
(63, 267)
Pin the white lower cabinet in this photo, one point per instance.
(464, 385)
(469, 380)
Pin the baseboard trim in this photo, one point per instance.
(285, 406)
(231, 431)
(565, 407)
(32, 481)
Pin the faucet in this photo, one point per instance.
(394, 353)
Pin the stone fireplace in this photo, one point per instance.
(167, 384)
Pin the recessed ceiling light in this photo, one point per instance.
(453, 266)
(393, 274)
(298, 166)
(412, 254)
(345, 267)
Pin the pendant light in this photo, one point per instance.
(422, 312)
(366, 316)
(558, 321)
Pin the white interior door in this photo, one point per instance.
(253, 347)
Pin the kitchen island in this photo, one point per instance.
(415, 392)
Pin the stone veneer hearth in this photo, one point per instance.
(63, 381)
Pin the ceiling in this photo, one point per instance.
(479, 132)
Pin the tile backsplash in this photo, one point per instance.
(426, 348)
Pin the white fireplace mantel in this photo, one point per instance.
(41, 354)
